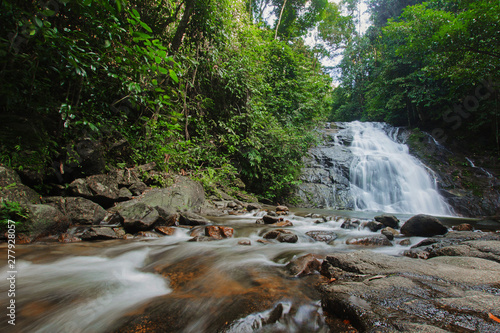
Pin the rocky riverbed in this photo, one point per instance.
(225, 265)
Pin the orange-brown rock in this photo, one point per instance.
(168, 231)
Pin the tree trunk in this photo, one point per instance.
(183, 24)
(279, 20)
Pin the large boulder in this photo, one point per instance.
(102, 189)
(383, 293)
(304, 265)
(370, 241)
(423, 226)
(388, 220)
(139, 217)
(99, 233)
(322, 235)
(485, 245)
(184, 195)
(12, 189)
(45, 220)
(187, 218)
(79, 211)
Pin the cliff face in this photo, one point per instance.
(325, 177)
(467, 178)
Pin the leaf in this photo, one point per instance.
(38, 22)
(145, 26)
(173, 75)
(135, 14)
(162, 70)
(495, 318)
(48, 12)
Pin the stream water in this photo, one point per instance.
(170, 284)
(179, 286)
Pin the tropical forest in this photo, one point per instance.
(250, 166)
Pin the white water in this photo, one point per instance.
(85, 293)
(385, 177)
(91, 287)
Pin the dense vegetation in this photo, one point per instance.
(207, 87)
(431, 64)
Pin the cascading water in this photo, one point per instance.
(385, 177)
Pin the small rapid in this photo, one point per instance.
(177, 285)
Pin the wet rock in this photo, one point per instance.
(102, 189)
(275, 315)
(281, 235)
(167, 231)
(112, 219)
(389, 232)
(120, 232)
(369, 241)
(287, 238)
(253, 206)
(348, 224)
(124, 194)
(138, 188)
(202, 239)
(283, 224)
(459, 243)
(187, 218)
(305, 265)
(226, 232)
(219, 232)
(169, 218)
(184, 195)
(322, 235)
(231, 204)
(405, 242)
(423, 226)
(374, 226)
(12, 189)
(268, 219)
(139, 217)
(67, 238)
(273, 234)
(45, 220)
(463, 227)
(23, 239)
(259, 221)
(99, 233)
(384, 293)
(79, 211)
(388, 220)
(147, 234)
(282, 209)
(245, 242)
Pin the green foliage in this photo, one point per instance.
(13, 211)
(421, 60)
(194, 86)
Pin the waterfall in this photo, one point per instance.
(385, 177)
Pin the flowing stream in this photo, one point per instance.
(172, 285)
(385, 177)
(240, 284)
